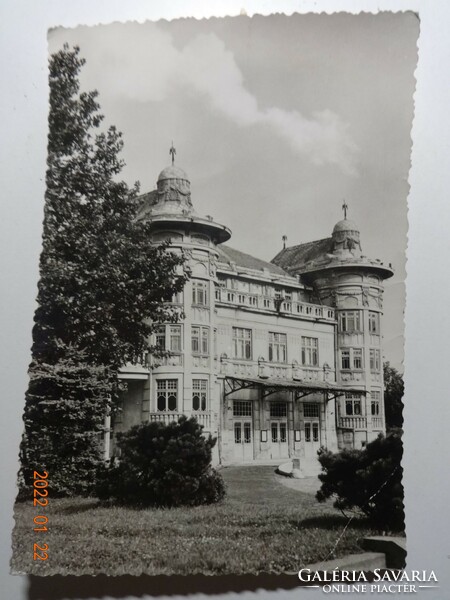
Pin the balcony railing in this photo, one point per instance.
(165, 417)
(272, 304)
(174, 360)
(266, 370)
(377, 423)
(203, 418)
(354, 422)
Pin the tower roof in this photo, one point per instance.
(173, 172)
(345, 225)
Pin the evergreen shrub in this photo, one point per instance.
(162, 465)
(367, 479)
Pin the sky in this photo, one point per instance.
(275, 119)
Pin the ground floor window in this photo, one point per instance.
(199, 394)
(311, 431)
(279, 433)
(167, 395)
(278, 409)
(311, 409)
(242, 433)
(242, 408)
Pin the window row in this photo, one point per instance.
(351, 321)
(168, 338)
(353, 358)
(353, 404)
(200, 294)
(244, 408)
(262, 289)
(242, 347)
(167, 395)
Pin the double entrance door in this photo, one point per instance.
(279, 439)
(243, 440)
(312, 437)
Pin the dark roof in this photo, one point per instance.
(296, 257)
(229, 255)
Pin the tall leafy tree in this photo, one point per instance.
(103, 285)
(393, 394)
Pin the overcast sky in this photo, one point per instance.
(275, 119)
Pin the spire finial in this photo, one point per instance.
(345, 209)
(284, 238)
(172, 151)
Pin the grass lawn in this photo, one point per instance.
(262, 525)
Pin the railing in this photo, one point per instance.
(353, 422)
(203, 418)
(174, 360)
(267, 370)
(270, 303)
(377, 423)
(164, 417)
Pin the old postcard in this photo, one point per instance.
(216, 376)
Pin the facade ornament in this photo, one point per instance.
(212, 266)
(365, 296)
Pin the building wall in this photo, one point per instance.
(262, 303)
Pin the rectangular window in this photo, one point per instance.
(242, 343)
(200, 340)
(374, 322)
(310, 352)
(277, 347)
(242, 408)
(177, 298)
(357, 358)
(352, 404)
(237, 433)
(315, 428)
(345, 359)
(307, 432)
(374, 360)
(274, 429)
(166, 395)
(161, 338)
(199, 395)
(200, 293)
(175, 338)
(278, 409)
(350, 321)
(311, 409)
(168, 338)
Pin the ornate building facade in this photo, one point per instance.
(274, 359)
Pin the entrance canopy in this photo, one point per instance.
(299, 388)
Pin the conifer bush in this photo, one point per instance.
(162, 465)
(367, 479)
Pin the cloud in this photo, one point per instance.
(143, 63)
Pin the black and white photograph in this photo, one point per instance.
(216, 372)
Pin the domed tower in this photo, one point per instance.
(184, 382)
(352, 283)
